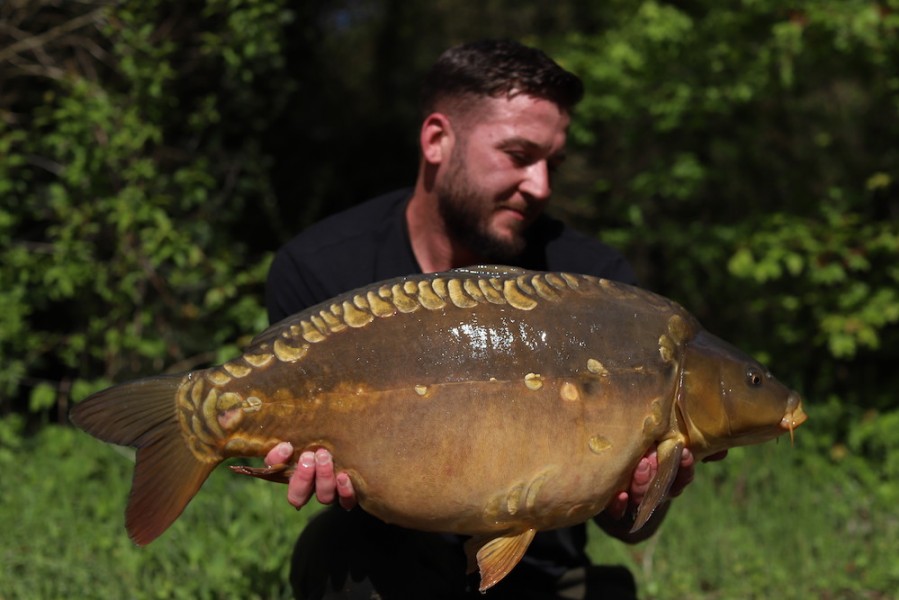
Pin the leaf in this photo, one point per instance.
(43, 397)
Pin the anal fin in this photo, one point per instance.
(669, 453)
(495, 557)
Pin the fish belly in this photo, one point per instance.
(479, 457)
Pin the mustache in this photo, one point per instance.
(527, 208)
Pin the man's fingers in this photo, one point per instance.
(346, 495)
(302, 482)
(315, 475)
(643, 476)
(617, 506)
(281, 453)
(325, 483)
(647, 470)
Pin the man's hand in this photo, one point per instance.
(645, 472)
(314, 473)
(627, 502)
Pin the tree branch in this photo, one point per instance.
(37, 41)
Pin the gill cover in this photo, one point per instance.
(729, 399)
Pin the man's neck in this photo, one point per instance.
(431, 243)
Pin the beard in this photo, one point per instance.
(466, 213)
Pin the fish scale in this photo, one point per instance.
(487, 401)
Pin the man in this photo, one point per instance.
(495, 120)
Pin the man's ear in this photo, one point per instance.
(437, 138)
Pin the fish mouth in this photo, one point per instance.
(794, 416)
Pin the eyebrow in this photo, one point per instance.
(531, 146)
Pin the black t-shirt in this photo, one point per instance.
(370, 242)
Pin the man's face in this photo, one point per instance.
(497, 178)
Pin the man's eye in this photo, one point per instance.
(519, 158)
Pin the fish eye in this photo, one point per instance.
(754, 377)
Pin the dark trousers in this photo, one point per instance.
(353, 556)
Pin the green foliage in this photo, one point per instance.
(122, 197)
(837, 267)
(767, 522)
(233, 541)
(745, 159)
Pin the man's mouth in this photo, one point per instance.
(521, 212)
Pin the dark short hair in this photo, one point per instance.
(493, 68)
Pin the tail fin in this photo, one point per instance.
(142, 414)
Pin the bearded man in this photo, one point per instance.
(495, 120)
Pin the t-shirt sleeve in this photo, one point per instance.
(340, 253)
(571, 250)
(289, 287)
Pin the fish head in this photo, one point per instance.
(726, 398)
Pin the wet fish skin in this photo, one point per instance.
(490, 401)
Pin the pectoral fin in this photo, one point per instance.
(279, 473)
(495, 557)
(669, 453)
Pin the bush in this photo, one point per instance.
(122, 188)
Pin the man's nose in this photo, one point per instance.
(536, 183)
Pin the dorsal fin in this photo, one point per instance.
(421, 297)
(270, 333)
(491, 270)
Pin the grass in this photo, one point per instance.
(768, 522)
(62, 515)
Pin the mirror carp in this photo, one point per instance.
(487, 401)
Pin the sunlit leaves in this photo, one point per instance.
(121, 202)
(839, 268)
(747, 159)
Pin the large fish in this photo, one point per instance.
(489, 401)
